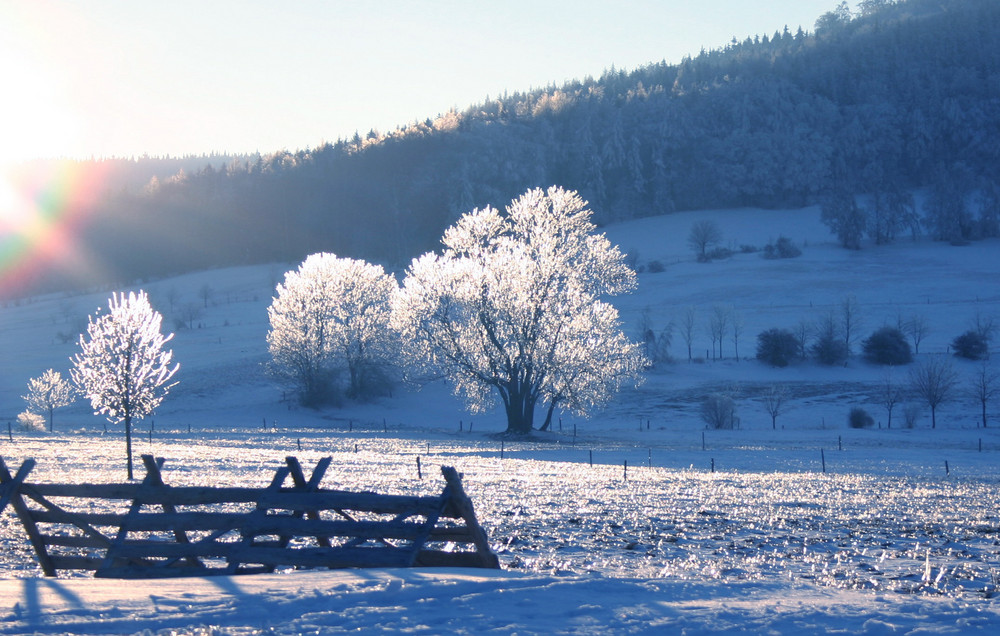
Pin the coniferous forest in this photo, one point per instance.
(898, 97)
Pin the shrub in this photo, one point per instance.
(777, 347)
(718, 254)
(830, 350)
(782, 248)
(859, 418)
(748, 249)
(31, 421)
(911, 413)
(887, 345)
(971, 345)
(655, 267)
(718, 411)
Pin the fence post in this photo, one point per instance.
(822, 456)
(419, 474)
(626, 470)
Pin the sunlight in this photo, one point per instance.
(33, 120)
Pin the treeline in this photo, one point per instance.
(896, 97)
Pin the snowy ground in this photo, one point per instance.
(885, 541)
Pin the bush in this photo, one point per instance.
(911, 413)
(655, 267)
(888, 345)
(31, 421)
(859, 418)
(777, 347)
(717, 254)
(782, 248)
(972, 345)
(830, 350)
(719, 411)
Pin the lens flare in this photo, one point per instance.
(42, 207)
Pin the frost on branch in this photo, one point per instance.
(332, 316)
(48, 392)
(511, 309)
(122, 367)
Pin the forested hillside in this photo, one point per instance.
(895, 97)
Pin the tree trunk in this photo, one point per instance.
(933, 417)
(128, 444)
(520, 409)
(548, 416)
(51, 409)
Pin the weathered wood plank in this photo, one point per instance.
(284, 499)
(76, 541)
(441, 559)
(27, 521)
(463, 506)
(10, 486)
(76, 562)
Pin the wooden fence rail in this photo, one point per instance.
(150, 529)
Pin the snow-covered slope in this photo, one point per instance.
(885, 541)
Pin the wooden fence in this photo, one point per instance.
(150, 529)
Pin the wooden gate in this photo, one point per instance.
(150, 529)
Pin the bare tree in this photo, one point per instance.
(934, 382)
(985, 387)
(205, 292)
(850, 321)
(774, 399)
(985, 327)
(889, 393)
(717, 326)
(190, 312)
(172, 297)
(916, 328)
(736, 330)
(704, 234)
(802, 332)
(688, 322)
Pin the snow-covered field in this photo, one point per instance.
(885, 541)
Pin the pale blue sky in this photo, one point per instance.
(121, 77)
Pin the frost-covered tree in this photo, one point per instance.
(511, 309)
(331, 315)
(48, 392)
(122, 367)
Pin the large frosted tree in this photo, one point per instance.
(511, 309)
(123, 367)
(331, 315)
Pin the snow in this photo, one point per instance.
(884, 541)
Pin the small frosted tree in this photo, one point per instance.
(512, 309)
(122, 367)
(331, 315)
(48, 392)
